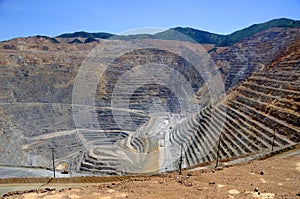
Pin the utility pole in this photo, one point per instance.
(180, 161)
(218, 150)
(53, 164)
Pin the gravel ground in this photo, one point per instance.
(275, 177)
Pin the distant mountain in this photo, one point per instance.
(190, 34)
(100, 35)
(193, 35)
(257, 28)
(226, 40)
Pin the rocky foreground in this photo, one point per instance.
(276, 177)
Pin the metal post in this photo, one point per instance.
(53, 164)
(218, 150)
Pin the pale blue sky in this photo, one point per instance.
(36, 17)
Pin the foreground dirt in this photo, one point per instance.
(276, 177)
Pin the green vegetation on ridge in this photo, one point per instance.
(101, 35)
(257, 28)
(194, 35)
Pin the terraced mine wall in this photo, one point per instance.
(261, 114)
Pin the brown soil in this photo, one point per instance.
(276, 177)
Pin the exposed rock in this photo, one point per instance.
(260, 112)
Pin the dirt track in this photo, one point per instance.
(276, 177)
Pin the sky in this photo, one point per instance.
(20, 18)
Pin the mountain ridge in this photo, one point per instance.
(187, 34)
(195, 35)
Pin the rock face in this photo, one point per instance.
(154, 132)
(260, 114)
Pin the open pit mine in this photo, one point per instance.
(117, 107)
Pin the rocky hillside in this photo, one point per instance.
(38, 109)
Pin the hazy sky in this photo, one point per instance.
(52, 17)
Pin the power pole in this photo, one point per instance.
(180, 161)
(218, 150)
(53, 164)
